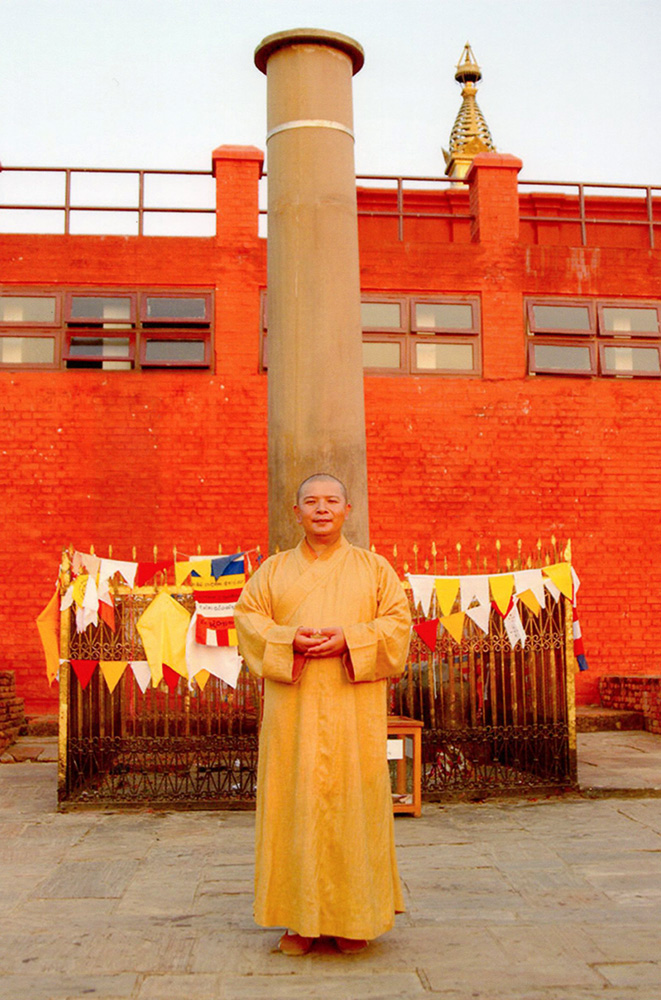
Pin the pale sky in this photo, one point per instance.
(570, 86)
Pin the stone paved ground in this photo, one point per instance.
(557, 899)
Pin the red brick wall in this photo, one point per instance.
(175, 458)
(639, 694)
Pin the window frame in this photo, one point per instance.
(605, 345)
(405, 335)
(145, 320)
(97, 321)
(598, 338)
(96, 333)
(372, 337)
(625, 334)
(453, 340)
(35, 333)
(154, 333)
(561, 342)
(560, 332)
(64, 328)
(459, 300)
(19, 293)
(401, 300)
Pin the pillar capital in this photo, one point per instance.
(309, 36)
(245, 153)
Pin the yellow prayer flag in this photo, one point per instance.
(530, 601)
(560, 574)
(48, 624)
(446, 593)
(163, 627)
(201, 678)
(79, 587)
(112, 671)
(181, 571)
(232, 639)
(502, 586)
(455, 625)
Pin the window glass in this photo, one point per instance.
(561, 317)
(27, 309)
(381, 354)
(174, 351)
(100, 307)
(99, 347)
(27, 350)
(562, 357)
(452, 357)
(630, 359)
(623, 320)
(176, 307)
(381, 315)
(443, 315)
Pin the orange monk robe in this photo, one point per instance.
(325, 854)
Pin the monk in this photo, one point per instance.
(326, 625)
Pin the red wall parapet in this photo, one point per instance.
(237, 170)
(494, 197)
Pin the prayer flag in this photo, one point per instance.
(48, 623)
(112, 671)
(142, 673)
(455, 625)
(502, 586)
(447, 589)
(422, 587)
(147, 570)
(83, 670)
(560, 573)
(428, 632)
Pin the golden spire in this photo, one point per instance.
(470, 134)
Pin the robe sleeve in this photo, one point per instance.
(378, 649)
(266, 647)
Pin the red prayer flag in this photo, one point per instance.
(171, 677)
(83, 670)
(147, 570)
(107, 614)
(428, 632)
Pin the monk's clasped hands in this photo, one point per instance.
(320, 641)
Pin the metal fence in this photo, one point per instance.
(496, 719)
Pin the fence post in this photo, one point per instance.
(63, 719)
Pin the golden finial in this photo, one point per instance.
(567, 552)
(470, 134)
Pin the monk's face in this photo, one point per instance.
(322, 511)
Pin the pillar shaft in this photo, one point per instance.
(315, 372)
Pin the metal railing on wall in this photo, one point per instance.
(139, 206)
(588, 213)
(497, 718)
(585, 205)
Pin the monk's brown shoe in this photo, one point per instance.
(295, 944)
(351, 946)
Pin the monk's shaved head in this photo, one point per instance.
(321, 477)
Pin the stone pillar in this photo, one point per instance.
(315, 377)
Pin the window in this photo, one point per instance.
(571, 337)
(110, 330)
(415, 335)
